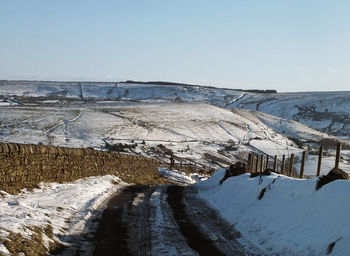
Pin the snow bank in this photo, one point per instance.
(176, 176)
(292, 218)
(66, 207)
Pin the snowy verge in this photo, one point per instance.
(66, 207)
(181, 177)
(176, 176)
(292, 218)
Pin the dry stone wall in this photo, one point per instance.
(24, 165)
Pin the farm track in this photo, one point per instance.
(162, 220)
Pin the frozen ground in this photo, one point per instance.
(292, 218)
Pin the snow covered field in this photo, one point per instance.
(194, 133)
(93, 114)
(292, 218)
(324, 111)
(197, 133)
(68, 208)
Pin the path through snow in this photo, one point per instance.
(163, 220)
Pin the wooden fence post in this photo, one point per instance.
(320, 155)
(283, 163)
(302, 167)
(291, 165)
(254, 163)
(267, 161)
(248, 163)
(261, 163)
(337, 157)
(275, 164)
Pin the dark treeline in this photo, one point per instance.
(195, 85)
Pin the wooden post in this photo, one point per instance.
(261, 163)
(283, 163)
(320, 155)
(291, 165)
(257, 163)
(249, 167)
(275, 164)
(302, 167)
(267, 161)
(251, 162)
(337, 157)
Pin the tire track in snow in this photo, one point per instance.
(195, 239)
(64, 122)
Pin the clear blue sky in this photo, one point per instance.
(288, 45)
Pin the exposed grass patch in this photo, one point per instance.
(56, 248)
(115, 182)
(15, 189)
(33, 245)
(59, 208)
(48, 230)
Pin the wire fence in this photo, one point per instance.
(286, 165)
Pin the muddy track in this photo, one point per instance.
(163, 220)
(195, 239)
(112, 234)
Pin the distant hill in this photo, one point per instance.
(324, 111)
(210, 87)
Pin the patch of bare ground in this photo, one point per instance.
(119, 229)
(33, 245)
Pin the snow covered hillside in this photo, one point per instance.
(292, 218)
(197, 133)
(324, 111)
(153, 120)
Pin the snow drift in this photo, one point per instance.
(292, 218)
